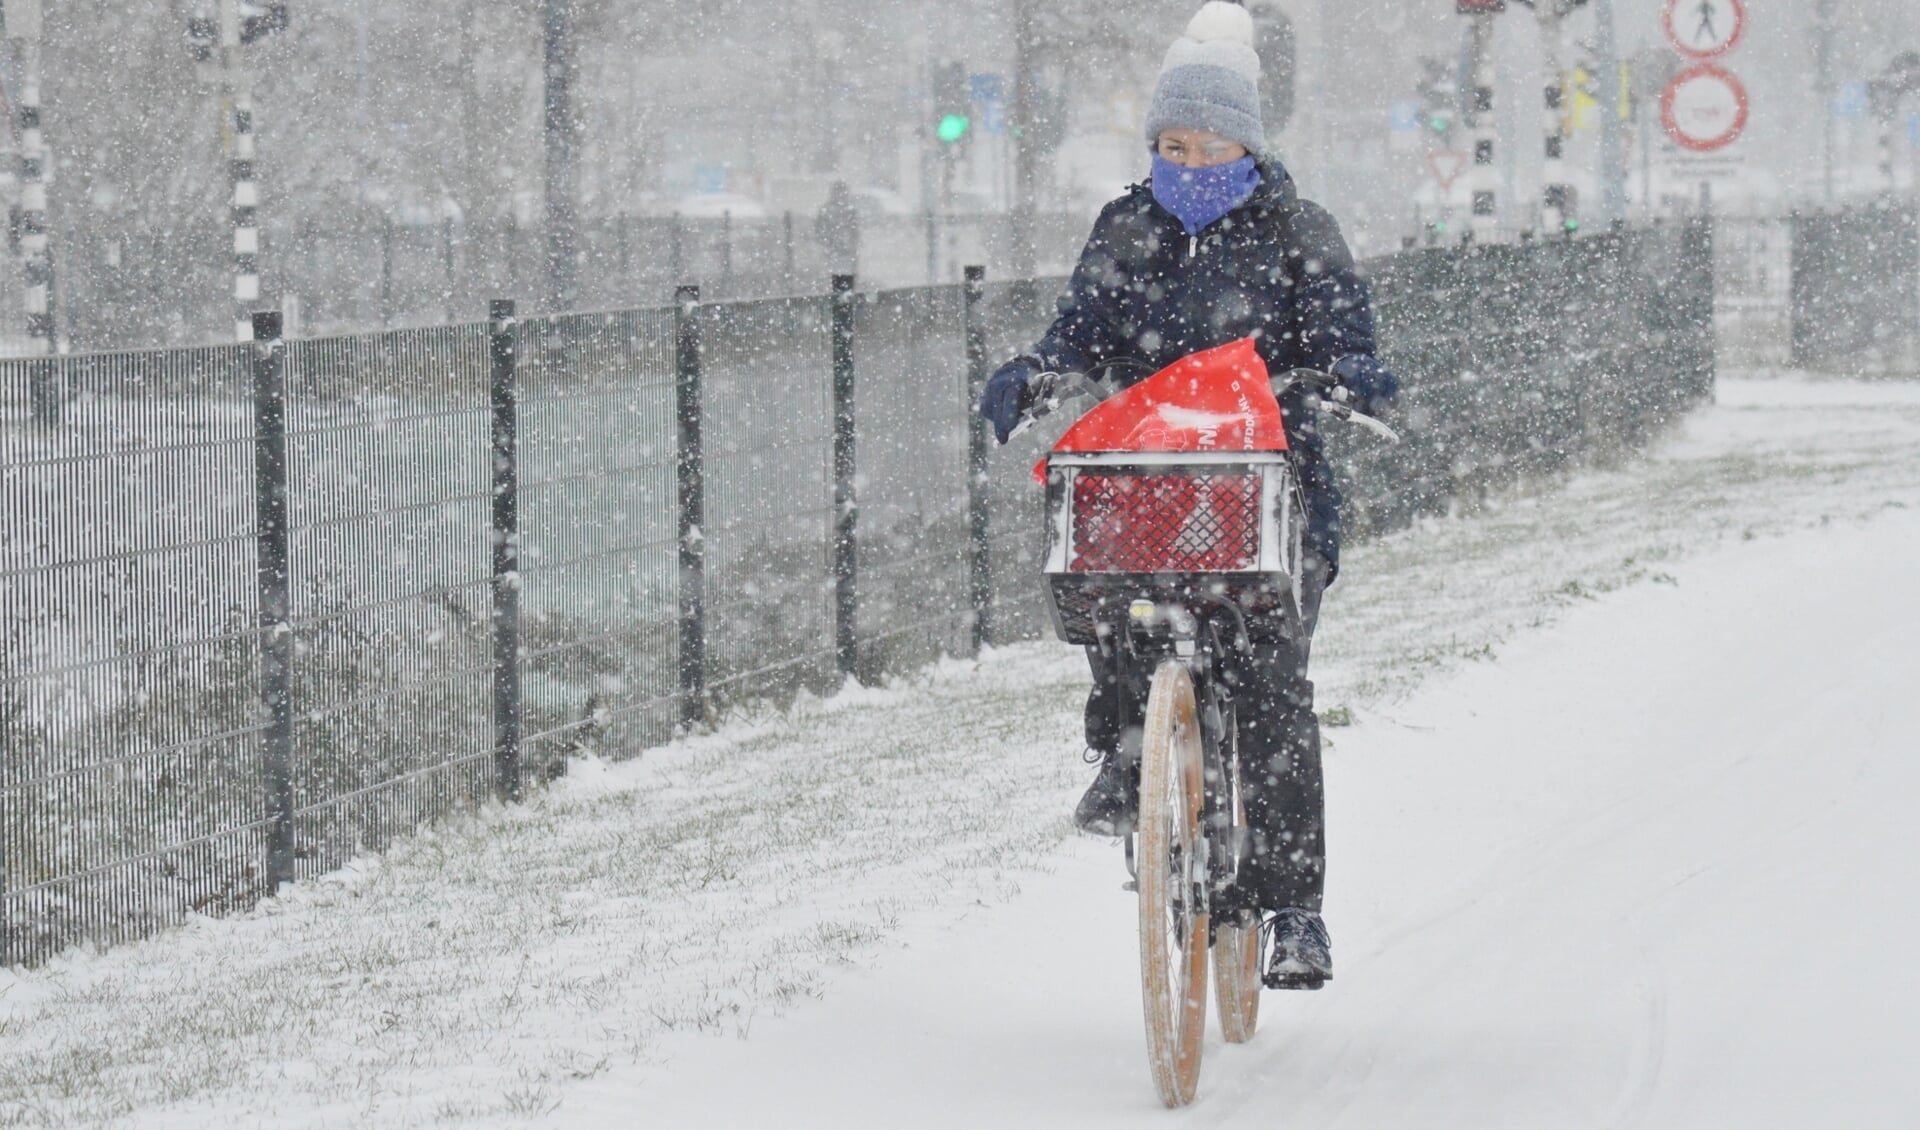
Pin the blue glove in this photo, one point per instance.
(1372, 385)
(1006, 396)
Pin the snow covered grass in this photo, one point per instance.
(477, 971)
(477, 967)
(1769, 457)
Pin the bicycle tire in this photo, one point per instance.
(1173, 921)
(1236, 946)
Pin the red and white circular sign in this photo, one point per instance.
(1704, 29)
(1704, 108)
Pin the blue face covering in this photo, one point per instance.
(1198, 197)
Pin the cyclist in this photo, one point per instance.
(1215, 246)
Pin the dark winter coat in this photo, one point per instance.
(1275, 269)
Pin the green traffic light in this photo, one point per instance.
(1440, 227)
(1573, 225)
(953, 127)
(1438, 125)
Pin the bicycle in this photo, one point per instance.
(1173, 514)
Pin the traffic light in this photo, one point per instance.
(256, 20)
(952, 112)
(1439, 93)
(203, 35)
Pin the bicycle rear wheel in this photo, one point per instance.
(1236, 946)
(1173, 921)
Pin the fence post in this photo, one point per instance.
(845, 504)
(274, 591)
(625, 221)
(690, 466)
(386, 272)
(981, 561)
(45, 396)
(511, 251)
(503, 334)
(933, 249)
(1702, 285)
(446, 266)
(788, 274)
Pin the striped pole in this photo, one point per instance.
(36, 256)
(246, 204)
(1557, 197)
(1885, 147)
(1485, 178)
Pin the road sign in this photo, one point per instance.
(1704, 29)
(1850, 100)
(983, 88)
(1446, 166)
(1704, 108)
(993, 118)
(987, 91)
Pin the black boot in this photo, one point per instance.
(1302, 956)
(1112, 803)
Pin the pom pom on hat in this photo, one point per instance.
(1217, 19)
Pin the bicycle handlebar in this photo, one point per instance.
(1050, 390)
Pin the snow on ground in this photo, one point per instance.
(1643, 866)
(1652, 866)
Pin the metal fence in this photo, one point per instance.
(1856, 288)
(1522, 359)
(270, 606)
(365, 272)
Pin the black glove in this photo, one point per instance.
(1369, 381)
(1006, 396)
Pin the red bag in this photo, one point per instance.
(1220, 399)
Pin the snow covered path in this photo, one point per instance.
(1653, 866)
(1559, 895)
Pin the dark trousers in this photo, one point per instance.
(1279, 753)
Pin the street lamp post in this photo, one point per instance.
(1823, 84)
(1613, 137)
(562, 216)
(1026, 171)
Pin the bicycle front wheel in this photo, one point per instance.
(1173, 921)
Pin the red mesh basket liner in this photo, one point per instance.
(1165, 523)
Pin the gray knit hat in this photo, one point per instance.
(1210, 79)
